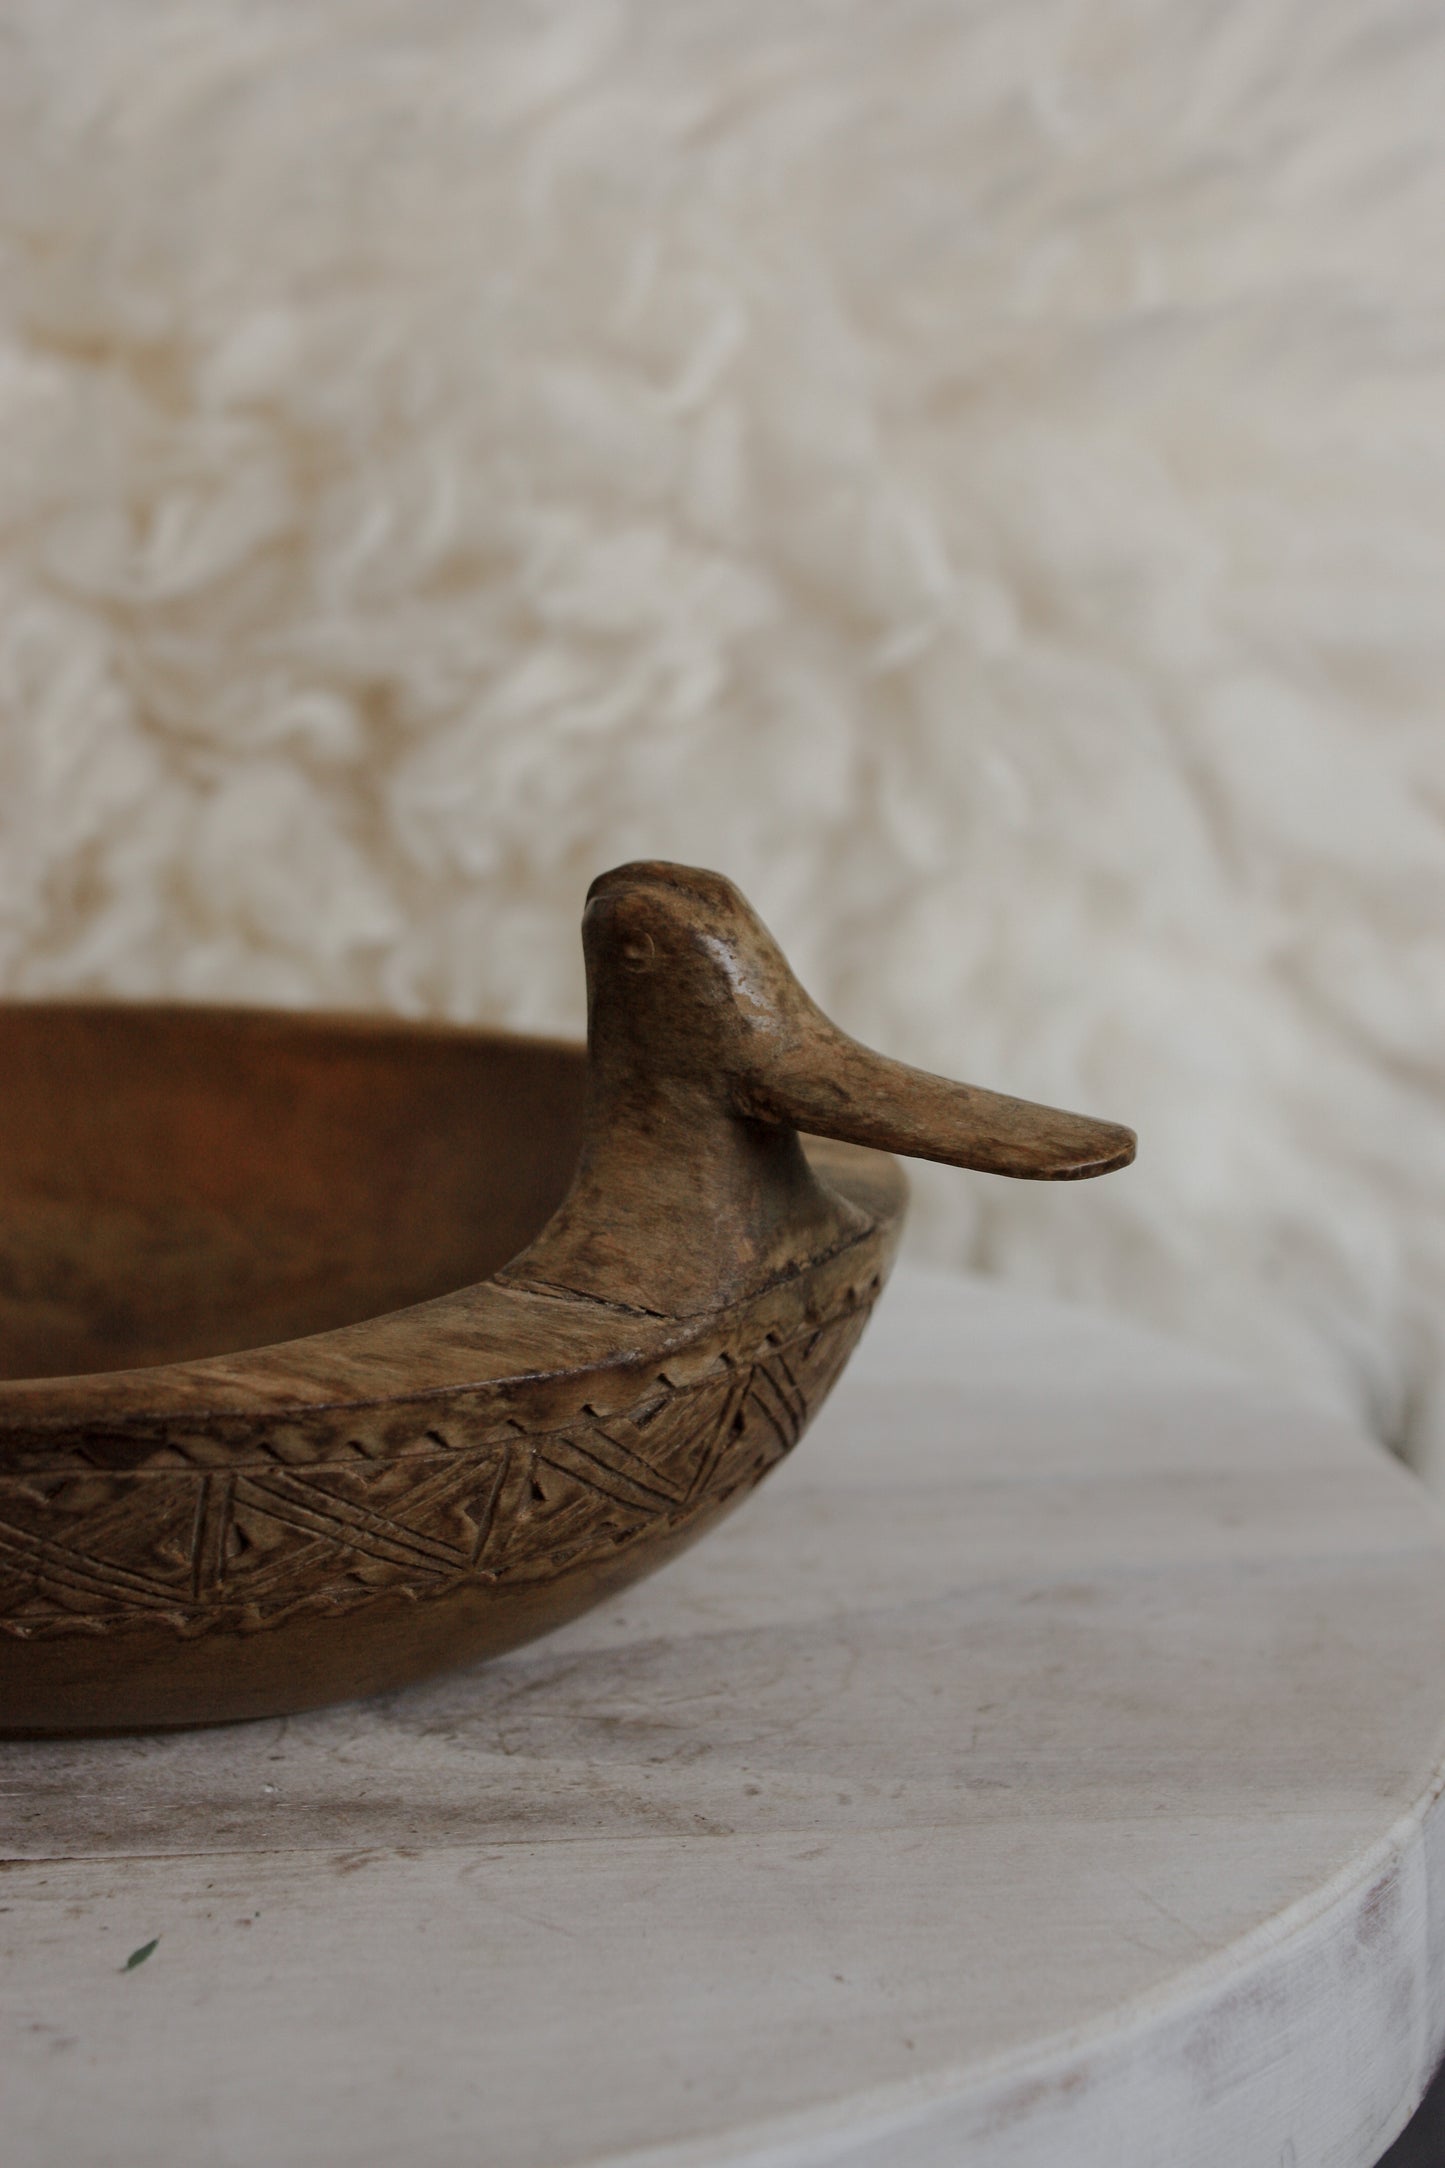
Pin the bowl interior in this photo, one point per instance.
(180, 1182)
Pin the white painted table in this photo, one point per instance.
(1041, 1770)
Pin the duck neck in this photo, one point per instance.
(680, 1204)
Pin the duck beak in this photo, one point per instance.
(825, 1083)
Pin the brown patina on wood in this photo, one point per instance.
(293, 1408)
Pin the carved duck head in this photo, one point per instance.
(706, 1059)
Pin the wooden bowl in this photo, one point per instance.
(317, 1371)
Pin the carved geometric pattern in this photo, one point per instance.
(94, 1550)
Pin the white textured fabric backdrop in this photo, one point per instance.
(973, 472)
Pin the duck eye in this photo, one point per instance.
(639, 952)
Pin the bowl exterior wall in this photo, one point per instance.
(358, 1548)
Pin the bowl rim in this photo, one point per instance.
(497, 1332)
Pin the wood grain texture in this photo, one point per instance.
(201, 1538)
(197, 1553)
(1044, 1772)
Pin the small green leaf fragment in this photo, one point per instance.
(138, 1957)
